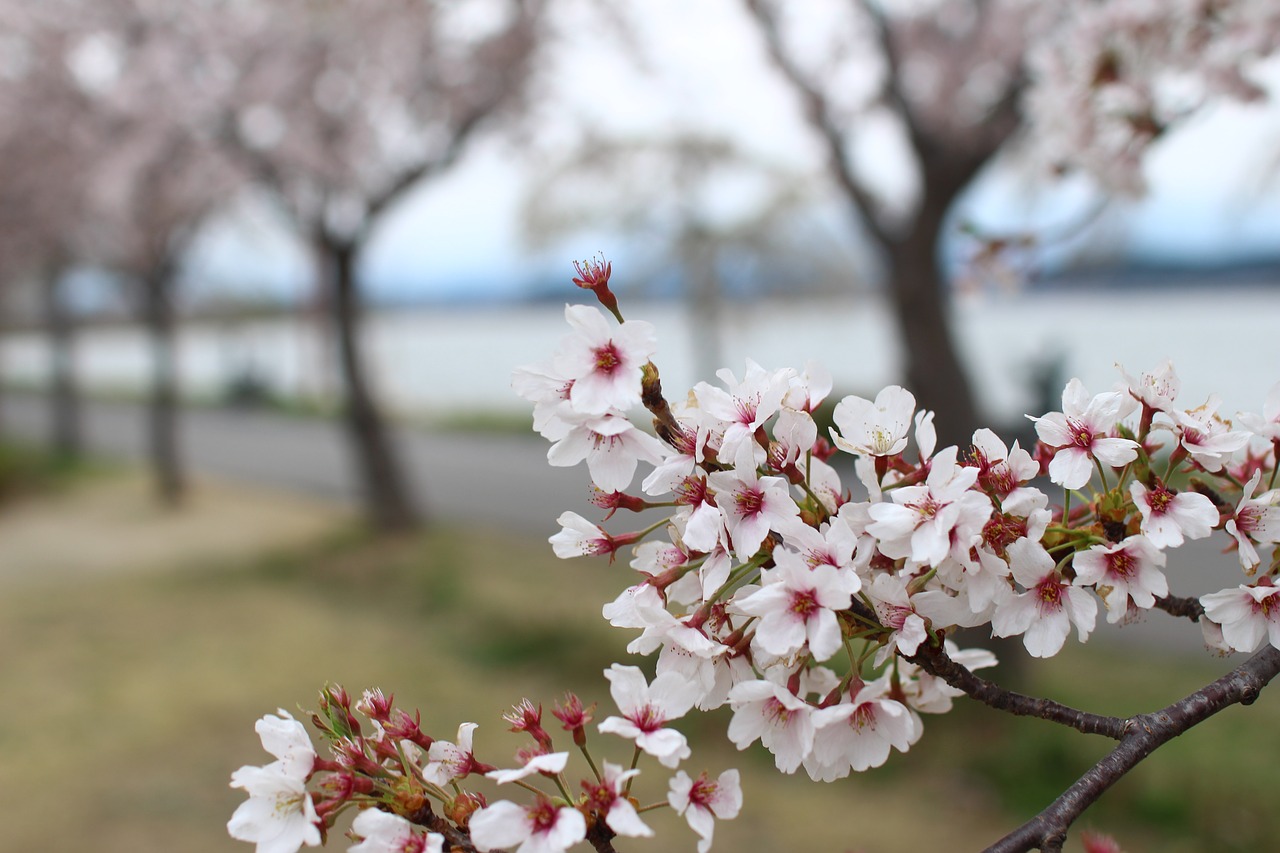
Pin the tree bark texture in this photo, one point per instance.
(388, 501)
(166, 458)
(64, 389)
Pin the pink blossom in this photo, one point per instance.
(448, 761)
(741, 410)
(602, 361)
(1268, 424)
(773, 714)
(609, 798)
(702, 801)
(646, 710)
(924, 522)
(1247, 614)
(540, 828)
(874, 429)
(1129, 569)
(1255, 520)
(1155, 389)
(1079, 434)
(752, 505)
(858, 734)
(611, 445)
(1208, 438)
(1043, 614)
(1168, 518)
(797, 606)
(383, 832)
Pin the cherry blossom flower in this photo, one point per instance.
(752, 506)
(279, 815)
(923, 520)
(1247, 615)
(858, 735)
(611, 445)
(1043, 614)
(1168, 518)
(1079, 434)
(540, 828)
(745, 406)
(1255, 520)
(702, 801)
(551, 762)
(608, 798)
(603, 361)
(549, 393)
(579, 537)
(874, 429)
(647, 708)
(1001, 471)
(1129, 569)
(383, 832)
(797, 606)
(776, 717)
(894, 609)
(1155, 389)
(448, 761)
(1208, 438)
(1266, 425)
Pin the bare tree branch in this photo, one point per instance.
(934, 660)
(1143, 735)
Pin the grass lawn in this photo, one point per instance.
(129, 699)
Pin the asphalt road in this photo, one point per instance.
(480, 479)
(457, 477)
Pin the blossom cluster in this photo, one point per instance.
(390, 772)
(803, 597)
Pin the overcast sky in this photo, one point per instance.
(1212, 183)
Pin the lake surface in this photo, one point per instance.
(441, 360)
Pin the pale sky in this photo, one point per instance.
(463, 231)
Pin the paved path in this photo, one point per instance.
(477, 478)
(458, 477)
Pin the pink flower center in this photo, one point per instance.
(1159, 498)
(1002, 530)
(1247, 518)
(746, 408)
(542, 816)
(749, 502)
(926, 508)
(864, 715)
(1081, 435)
(703, 792)
(777, 713)
(691, 491)
(1050, 594)
(1121, 564)
(804, 603)
(608, 359)
(649, 719)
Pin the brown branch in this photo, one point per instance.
(934, 660)
(1143, 735)
(1179, 606)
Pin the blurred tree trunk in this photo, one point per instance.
(162, 413)
(388, 502)
(920, 297)
(65, 410)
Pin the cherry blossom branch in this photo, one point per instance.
(1143, 735)
(1176, 605)
(934, 660)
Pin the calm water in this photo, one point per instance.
(440, 360)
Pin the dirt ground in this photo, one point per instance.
(111, 523)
